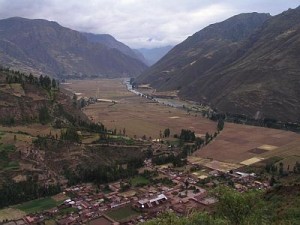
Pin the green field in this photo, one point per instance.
(139, 181)
(37, 205)
(122, 214)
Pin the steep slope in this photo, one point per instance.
(262, 77)
(45, 135)
(46, 47)
(200, 52)
(154, 54)
(110, 42)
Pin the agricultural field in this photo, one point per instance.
(235, 146)
(238, 143)
(37, 205)
(139, 181)
(122, 214)
(18, 211)
(139, 116)
(11, 214)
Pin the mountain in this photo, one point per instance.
(45, 47)
(154, 54)
(110, 42)
(261, 78)
(198, 53)
(247, 64)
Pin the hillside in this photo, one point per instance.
(200, 52)
(45, 47)
(262, 77)
(248, 64)
(45, 137)
(110, 42)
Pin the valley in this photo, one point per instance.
(135, 132)
(179, 117)
(141, 116)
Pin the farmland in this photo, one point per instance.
(139, 116)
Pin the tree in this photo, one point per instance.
(44, 116)
(70, 134)
(167, 132)
(240, 208)
(53, 83)
(220, 124)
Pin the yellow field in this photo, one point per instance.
(11, 214)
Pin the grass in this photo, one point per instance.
(37, 205)
(68, 211)
(139, 181)
(122, 214)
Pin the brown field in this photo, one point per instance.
(236, 143)
(33, 129)
(139, 116)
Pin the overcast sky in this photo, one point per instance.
(140, 23)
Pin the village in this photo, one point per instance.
(123, 202)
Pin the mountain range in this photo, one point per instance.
(45, 47)
(152, 55)
(247, 64)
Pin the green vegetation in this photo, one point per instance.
(278, 206)
(13, 193)
(240, 208)
(68, 211)
(122, 214)
(37, 205)
(167, 132)
(5, 161)
(44, 116)
(139, 181)
(195, 218)
(187, 135)
(103, 174)
(70, 134)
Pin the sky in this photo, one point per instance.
(140, 23)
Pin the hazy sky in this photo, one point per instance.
(140, 23)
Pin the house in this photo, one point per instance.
(149, 203)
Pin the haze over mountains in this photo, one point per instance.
(247, 64)
(45, 47)
(153, 55)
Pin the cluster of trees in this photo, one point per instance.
(13, 76)
(13, 193)
(70, 134)
(177, 161)
(265, 122)
(187, 135)
(8, 121)
(103, 174)
(167, 132)
(278, 169)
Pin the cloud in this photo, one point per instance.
(135, 22)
